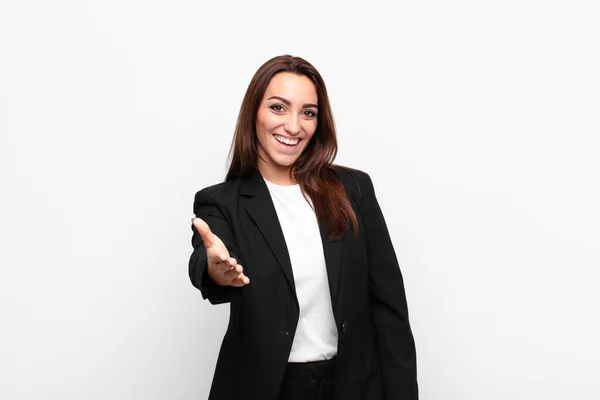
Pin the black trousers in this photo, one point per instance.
(308, 381)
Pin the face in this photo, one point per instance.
(285, 122)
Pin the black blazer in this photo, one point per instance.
(376, 352)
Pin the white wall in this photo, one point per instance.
(484, 115)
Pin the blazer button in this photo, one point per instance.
(344, 325)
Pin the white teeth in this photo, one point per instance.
(286, 141)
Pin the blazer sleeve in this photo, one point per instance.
(207, 209)
(389, 311)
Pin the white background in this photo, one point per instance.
(477, 120)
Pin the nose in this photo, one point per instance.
(292, 125)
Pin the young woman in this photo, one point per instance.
(300, 250)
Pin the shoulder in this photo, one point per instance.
(354, 179)
(219, 193)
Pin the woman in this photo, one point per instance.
(300, 250)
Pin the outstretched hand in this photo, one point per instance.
(223, 269)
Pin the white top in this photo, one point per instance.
(316, 335)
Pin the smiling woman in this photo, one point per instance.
(300, 250)
(285, 123)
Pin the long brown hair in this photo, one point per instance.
(314, 169)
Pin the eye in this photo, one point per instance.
(276, 107)
(311, 114)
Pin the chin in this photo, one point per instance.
(285, 163)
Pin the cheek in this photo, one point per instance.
(268, 121)
(262, 130)
(310, 128)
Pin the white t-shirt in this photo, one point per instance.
(316, 335)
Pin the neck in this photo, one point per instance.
(277, 175)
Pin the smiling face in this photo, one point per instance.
(285, 123)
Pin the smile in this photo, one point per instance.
(289, 142)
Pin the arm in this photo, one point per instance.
(206, 209)
(389, 311)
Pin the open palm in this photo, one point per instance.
(223, 269)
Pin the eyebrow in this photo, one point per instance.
(287, 102)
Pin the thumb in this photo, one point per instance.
(204, 230)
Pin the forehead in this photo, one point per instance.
(294, 87)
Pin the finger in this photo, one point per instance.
(234, 271)
(242, 278)
(232, 262)
(227, 265)
(220, 260)
(236, 283)
(238, 272)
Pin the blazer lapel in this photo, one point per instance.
(262, 211)
(333, 259)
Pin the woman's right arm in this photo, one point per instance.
(216, 242)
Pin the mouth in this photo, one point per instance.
(287, 143)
